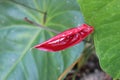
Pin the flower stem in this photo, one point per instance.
(44, 17)
(34, 23)
(41, 26)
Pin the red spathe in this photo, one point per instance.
(66, 39)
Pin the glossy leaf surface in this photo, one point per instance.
(17, 61)
(105, 17)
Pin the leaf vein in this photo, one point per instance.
(21, 57)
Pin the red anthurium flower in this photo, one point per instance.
(66, 39)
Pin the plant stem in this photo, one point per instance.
(80, 61)
(27, 6)
(34, 23)
(44, 17)
(67, 70)
(41, 26)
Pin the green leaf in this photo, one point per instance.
(105, 17)
(17, 60)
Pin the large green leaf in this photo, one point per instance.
(104, 15)
(17, 60)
